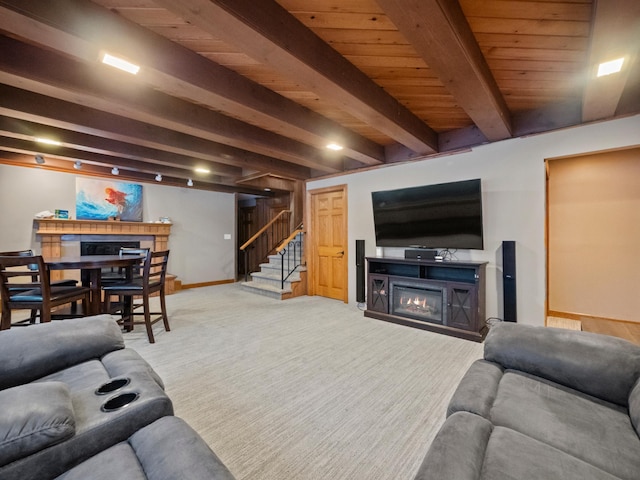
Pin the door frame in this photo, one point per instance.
(311, 246)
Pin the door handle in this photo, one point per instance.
(341, 253)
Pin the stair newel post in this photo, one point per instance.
(246, 264)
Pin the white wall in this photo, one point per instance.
(513, 187)
(200, 219)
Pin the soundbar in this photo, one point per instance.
(421, 254)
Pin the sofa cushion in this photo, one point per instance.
(92, 373)
(34, 417)
(118, 462)
(469, 447)
(597, 432)
(513, 456)
(78, 377)
(599, 365)
(165, 450)
(27, 354)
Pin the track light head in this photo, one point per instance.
(158, 178)
(39, 159)
(77, 165)
(115, 171)
(189, 183)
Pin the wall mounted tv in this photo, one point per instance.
(445, 215)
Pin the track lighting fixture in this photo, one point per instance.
(189, 183)
(77, 165)
(158, 178)
(39, 159)
(115, 171)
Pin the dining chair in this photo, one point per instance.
(66, 282)
(154, 272)
(119, 275)
(25, 285)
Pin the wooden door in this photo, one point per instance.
(328, 238)
(247, 227)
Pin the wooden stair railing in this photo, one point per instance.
(266, 240)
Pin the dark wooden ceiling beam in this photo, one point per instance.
(615, 33)
(18, 103)
(439, 32)
(65, 153)
(269, 182)
(69, 27)
(274, 37)
(60, 165)
(112, 91)
(22, 129)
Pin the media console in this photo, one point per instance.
(441, 296)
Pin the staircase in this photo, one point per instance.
(269, 280)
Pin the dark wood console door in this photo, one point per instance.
(462, 303)
(378, 293)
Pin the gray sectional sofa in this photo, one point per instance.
(544, 403)
(75, 403)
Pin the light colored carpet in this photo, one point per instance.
(307, 388)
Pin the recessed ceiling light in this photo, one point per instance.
(202, 170)
(48, 141)
(335, 147)
(115, 171)
(613, 66)
(120, 63)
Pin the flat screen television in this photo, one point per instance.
(445, 215)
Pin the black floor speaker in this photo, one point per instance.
(509, 281)
(360, 297)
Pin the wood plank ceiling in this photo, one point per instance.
(253, 91)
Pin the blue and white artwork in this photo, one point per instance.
(103, 199)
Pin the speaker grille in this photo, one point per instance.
(509, 281)
(360, 261)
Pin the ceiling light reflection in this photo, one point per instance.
(120, 63)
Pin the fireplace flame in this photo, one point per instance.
(416, 301)
(419, 302)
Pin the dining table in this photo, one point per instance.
(93, 265)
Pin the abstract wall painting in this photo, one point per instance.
(104, 199)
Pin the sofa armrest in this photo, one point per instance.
(32, 352)
(458, 450)
(34, 417)
(477, 390)
(634, 407)
(598, 365)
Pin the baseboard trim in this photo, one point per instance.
(206, 284)
(583, 316)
